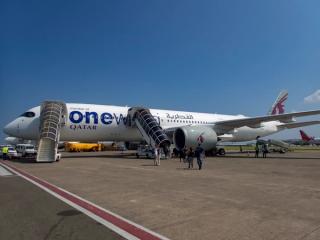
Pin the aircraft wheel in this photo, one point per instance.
(222, 152)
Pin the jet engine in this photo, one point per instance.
(191, 136)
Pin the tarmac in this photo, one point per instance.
(27, 212)
(233, 197)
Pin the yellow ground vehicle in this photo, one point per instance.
(83, 147)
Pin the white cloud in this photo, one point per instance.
(313, 98)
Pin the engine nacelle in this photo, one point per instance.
(191, 136)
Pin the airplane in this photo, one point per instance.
(93, 123)
(310, 140)
(294, 141)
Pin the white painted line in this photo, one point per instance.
(4, 172)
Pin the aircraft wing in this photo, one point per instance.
(298, 124)
(254, 122)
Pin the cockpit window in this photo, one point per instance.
(28, 114)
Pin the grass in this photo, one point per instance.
(294, 148)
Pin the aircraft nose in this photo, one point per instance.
(10, 128)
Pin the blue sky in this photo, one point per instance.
(212, 56)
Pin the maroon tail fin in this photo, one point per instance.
(278, 106)
(305, 137)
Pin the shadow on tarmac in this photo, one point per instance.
(69, 213)
(133, 157)
(188, 169)
(23, 160)
(269, 157)
(101, 156)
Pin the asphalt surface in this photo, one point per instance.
(233, 197)
(27, 212)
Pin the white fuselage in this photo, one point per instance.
(92, 123)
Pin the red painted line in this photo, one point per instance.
(135, 231)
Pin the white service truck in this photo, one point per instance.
(26, 150)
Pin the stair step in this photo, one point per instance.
(149, 128)
(51, 121)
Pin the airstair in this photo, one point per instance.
(149, 128)
(52, 118)
(283, 146)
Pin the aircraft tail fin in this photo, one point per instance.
(278, 106)
(305, 137)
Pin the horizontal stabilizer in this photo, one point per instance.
(298, 124)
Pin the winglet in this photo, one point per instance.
(278, 106)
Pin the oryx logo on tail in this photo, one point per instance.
(278, 106)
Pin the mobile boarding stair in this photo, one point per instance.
(52, 118)
(282, 146)
(149, 128)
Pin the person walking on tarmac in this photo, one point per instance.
(198, 153)
(264, 150)
(5, 153)
(257, 148)
(185, 151)
(157, 156)
(158, 149)
(181, 155)
(190, 156)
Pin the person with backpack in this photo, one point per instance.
(198, 154)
